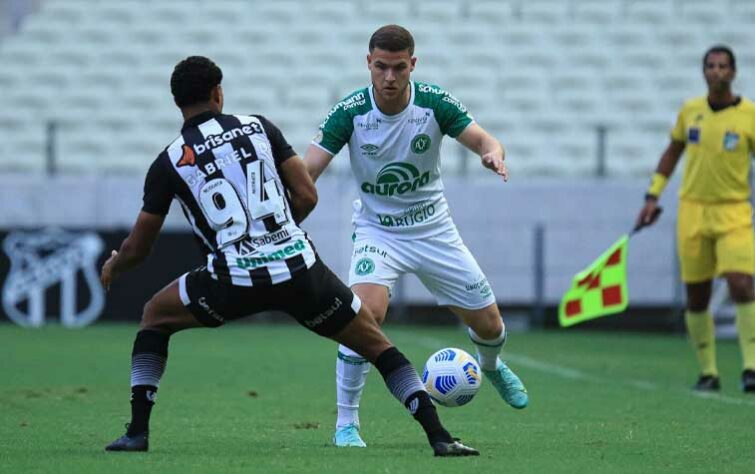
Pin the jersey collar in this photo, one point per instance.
(395, 116)
(199, 118)
(735, 103)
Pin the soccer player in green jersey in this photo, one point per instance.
(394, 130)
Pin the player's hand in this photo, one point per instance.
(494, 162)
(648, 214)
(108, 274)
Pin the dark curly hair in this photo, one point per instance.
(193, 79)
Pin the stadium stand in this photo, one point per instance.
(541, 74)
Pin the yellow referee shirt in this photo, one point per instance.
(718, 149)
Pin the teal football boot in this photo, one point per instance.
(509, 386)
(347, 436)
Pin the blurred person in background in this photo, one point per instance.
(714, 227)
(394, 129)
(244, 190)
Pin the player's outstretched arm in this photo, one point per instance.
(301, 188)
(316, 160)
(487, 147)
(670, 157)
(134, 249)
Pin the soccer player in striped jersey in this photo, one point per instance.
(244, 190)
(714, 228)
(394, 130)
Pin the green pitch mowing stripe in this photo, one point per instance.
(253, 398)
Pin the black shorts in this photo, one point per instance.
(315, 297)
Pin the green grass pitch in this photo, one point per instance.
(256, 398)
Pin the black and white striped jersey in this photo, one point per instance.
(223, 170)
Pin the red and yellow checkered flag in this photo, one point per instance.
(598, 290)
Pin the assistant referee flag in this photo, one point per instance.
(598, 290)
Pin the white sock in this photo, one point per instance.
(488, 349)
(351, 374)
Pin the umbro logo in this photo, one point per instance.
(368, 149)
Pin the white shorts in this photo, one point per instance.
(442, 263)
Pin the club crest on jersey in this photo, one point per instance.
(188, 158)
(693, 135)
(421, 143)
(731, 140)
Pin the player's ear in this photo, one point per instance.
(217, 96)
(369, 60)
(413, 61)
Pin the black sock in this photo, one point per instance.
(147, 366)
(142, 401)
(422, 409)
(404, 383)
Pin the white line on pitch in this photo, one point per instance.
(576, 374)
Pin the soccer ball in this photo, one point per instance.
(451, 377)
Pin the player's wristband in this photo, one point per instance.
(657, 185)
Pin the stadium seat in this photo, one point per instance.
(702, 12)
(650, 11)
(596, 12)
(548, 12)
(625, 65)
(490, 12)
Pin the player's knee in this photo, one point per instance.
(489, 325)
(741, 290)
(373, 313)
(153, 320)
(378, 317)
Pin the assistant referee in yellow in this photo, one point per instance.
(714, 227)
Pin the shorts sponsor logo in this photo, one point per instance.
(322, 317)
(370, 249)
(203, 303)
(421, 143)
(249, 263)
(731, 140)
(480, 286)
(414, 215)
(364, 266)
(397, 178)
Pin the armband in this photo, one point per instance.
(657, 185)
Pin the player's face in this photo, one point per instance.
(390, 72)
(718, 72)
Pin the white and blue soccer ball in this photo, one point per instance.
(452, 377)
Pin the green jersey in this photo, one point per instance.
(396, 158)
